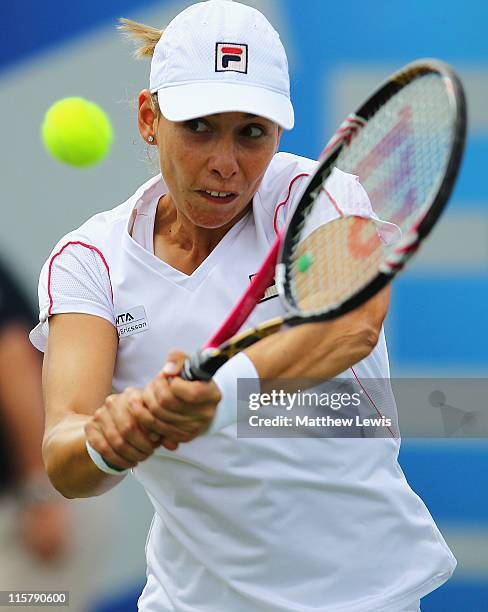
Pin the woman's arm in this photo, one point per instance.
(322, 350)
(77, 377)
(77, 381)
(317, 351)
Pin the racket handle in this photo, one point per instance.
(202, 365)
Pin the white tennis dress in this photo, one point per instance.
(245, 524)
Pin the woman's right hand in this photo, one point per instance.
(116, 432)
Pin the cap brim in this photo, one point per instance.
(192, 100)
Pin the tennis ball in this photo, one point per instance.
(77, 132)
(304, 262)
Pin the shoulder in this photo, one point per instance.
(104, 225)
(282, 186)
(88, 250)
(284, 169)
(100, 230)
(290, 163)
(340, 180)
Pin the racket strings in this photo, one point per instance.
(326, 270)
(402, 149)
(400, 156)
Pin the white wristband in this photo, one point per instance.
(226, 378)
(100, 462)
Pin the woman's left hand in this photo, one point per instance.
(188, 405)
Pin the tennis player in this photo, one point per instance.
(248, 524)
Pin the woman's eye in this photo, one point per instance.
(253, 131)
(197, 125)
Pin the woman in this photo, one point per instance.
(240, 524)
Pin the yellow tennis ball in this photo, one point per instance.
(77, 132)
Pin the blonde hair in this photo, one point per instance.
(146, 38)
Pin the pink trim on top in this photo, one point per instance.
(287, 198)
(393, 433)
(88, 246)
(334, 203)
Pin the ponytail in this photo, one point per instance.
(145, 36)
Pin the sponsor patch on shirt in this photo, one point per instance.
(133, 321)
(271, 291)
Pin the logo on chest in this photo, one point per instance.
(133, 321)
(271, 291)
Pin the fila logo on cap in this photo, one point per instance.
(231, 57)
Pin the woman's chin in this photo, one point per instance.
(214, 218)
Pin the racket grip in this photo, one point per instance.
(202, 365)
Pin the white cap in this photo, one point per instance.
(221, 56)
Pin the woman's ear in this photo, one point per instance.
(146, 117)
(280, 132)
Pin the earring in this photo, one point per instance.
(150, 139)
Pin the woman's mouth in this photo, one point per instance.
(218, 197)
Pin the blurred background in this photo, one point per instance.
(337, 52)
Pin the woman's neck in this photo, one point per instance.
(181, 243)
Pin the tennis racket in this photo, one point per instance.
(405, 144)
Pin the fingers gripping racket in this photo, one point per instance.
(405, 144)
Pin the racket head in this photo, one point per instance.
(405, 145)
